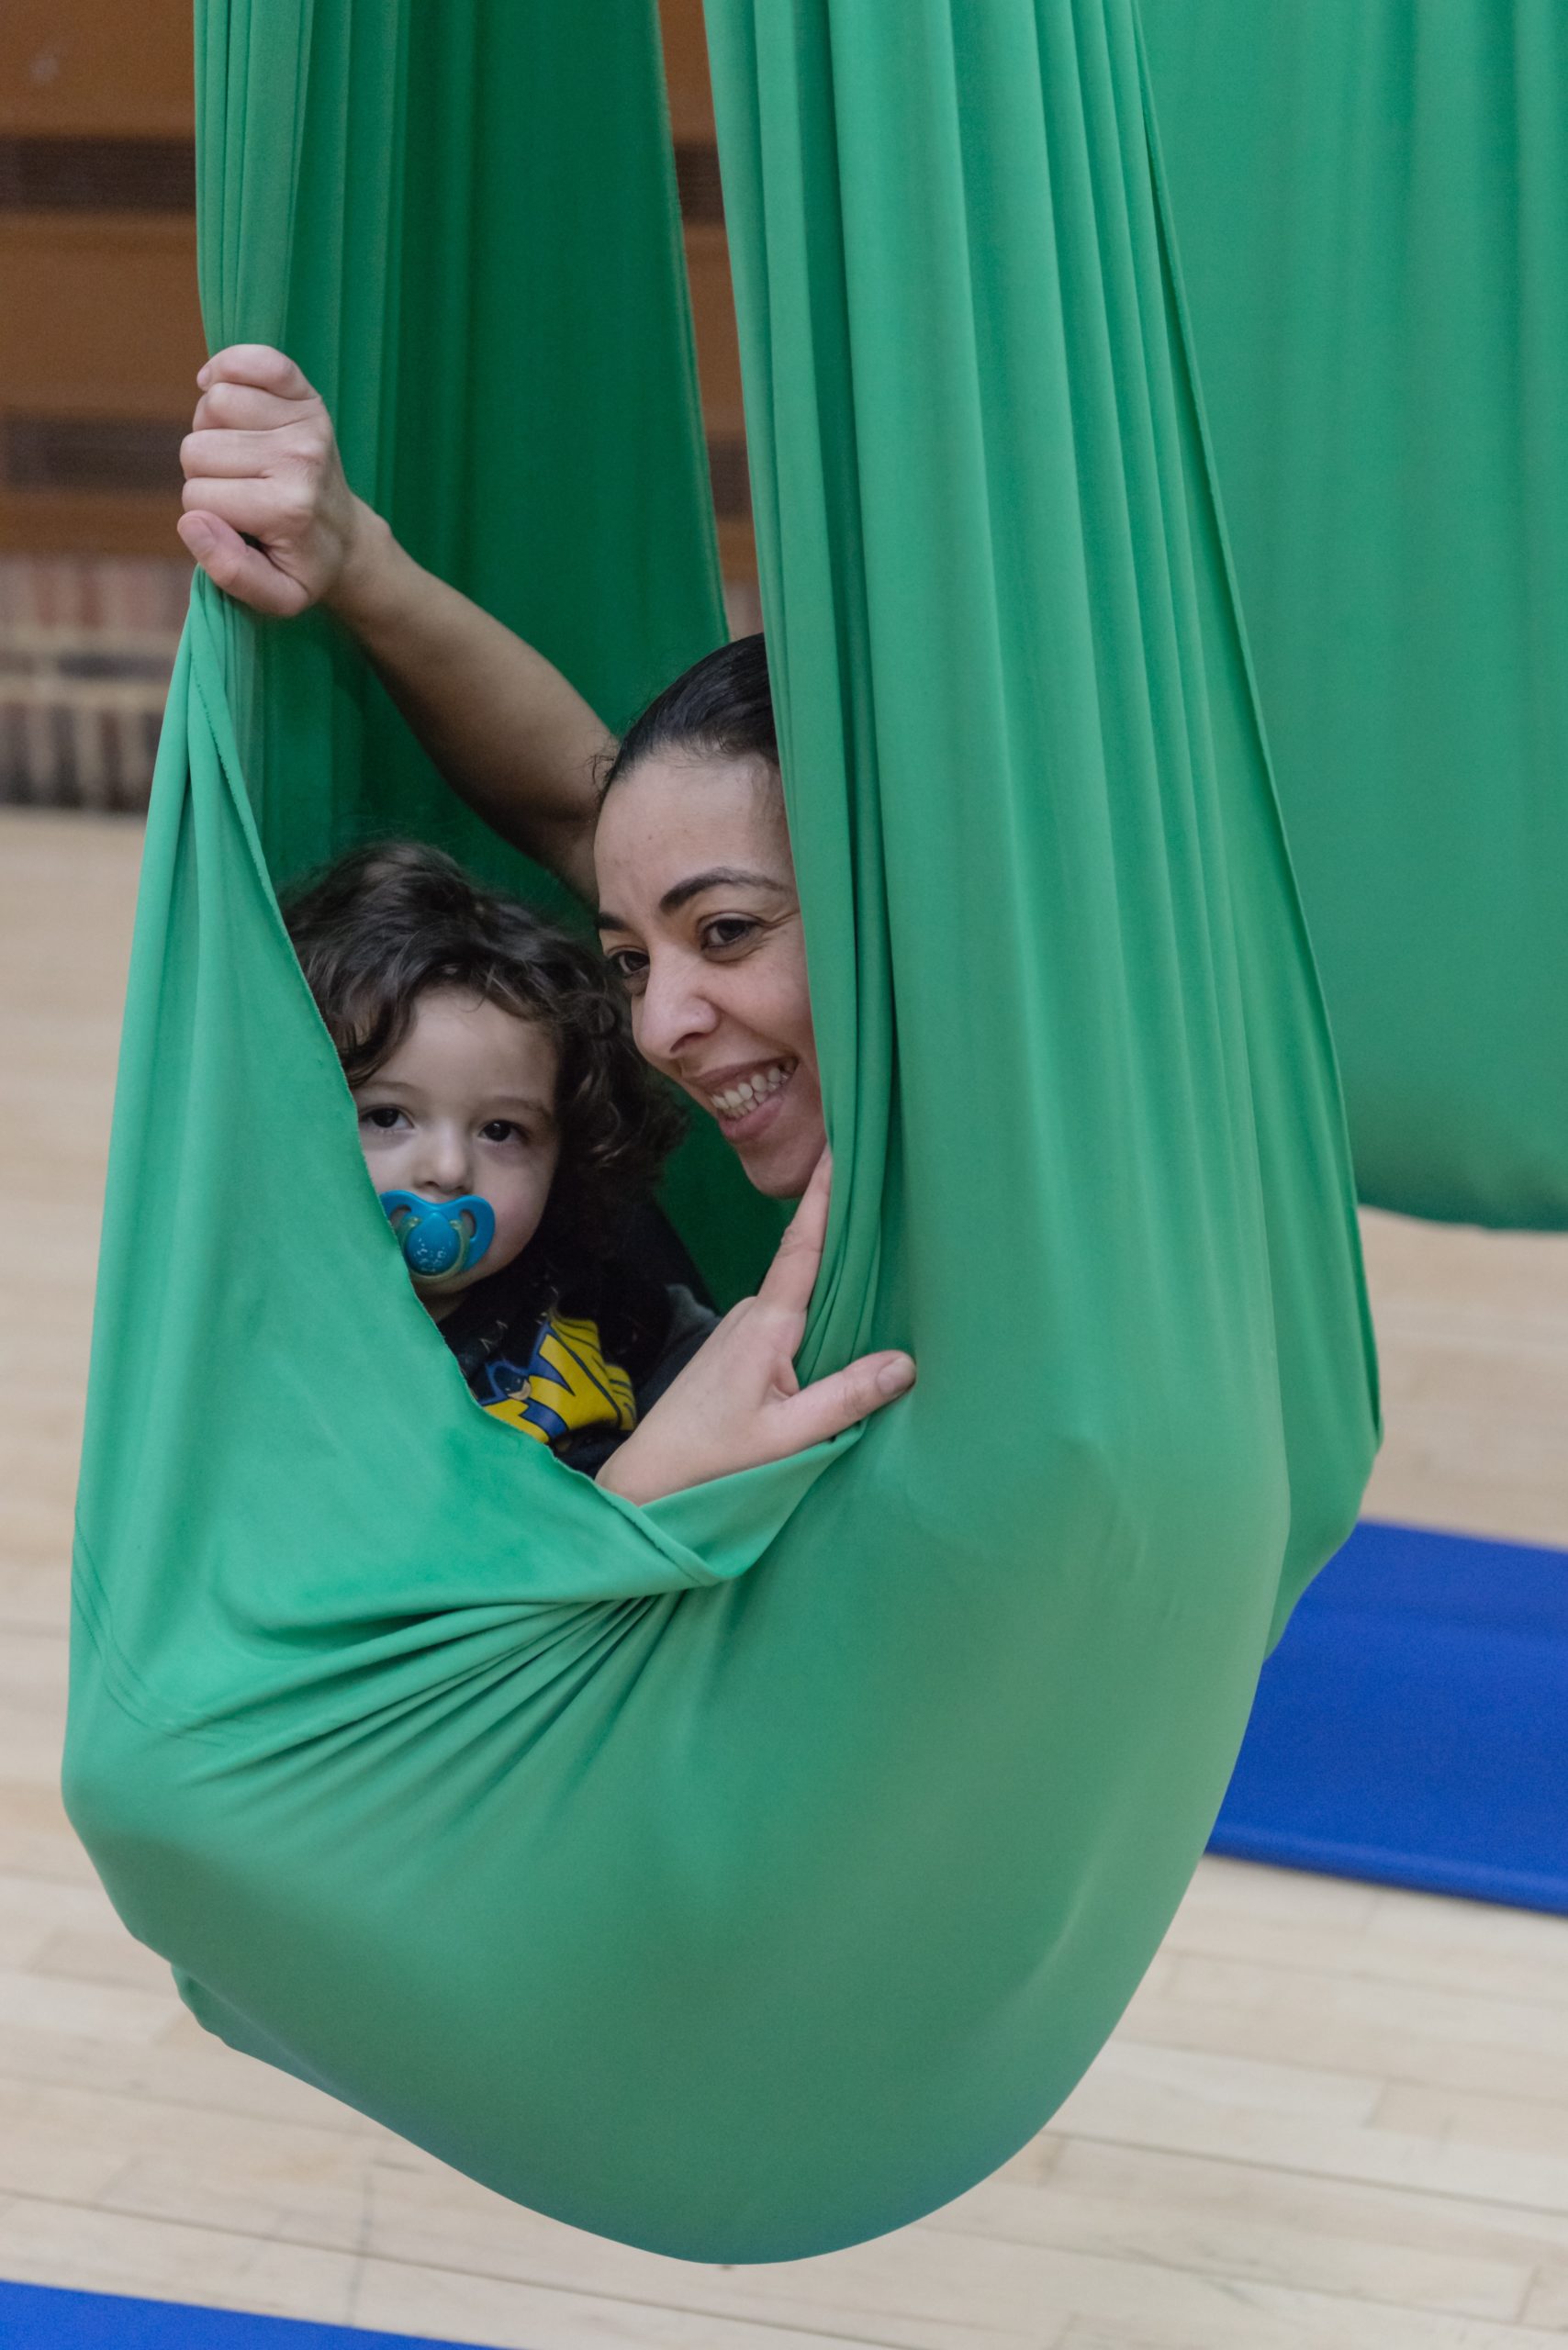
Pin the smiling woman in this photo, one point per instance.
(700, 915)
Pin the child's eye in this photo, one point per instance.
(383, 1117)
(502, 1130)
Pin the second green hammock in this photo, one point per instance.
(1370, 201)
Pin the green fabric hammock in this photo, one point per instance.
(1370, 201)
(748, 1875)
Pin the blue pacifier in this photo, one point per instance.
(440, 1236)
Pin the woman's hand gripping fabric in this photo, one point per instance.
(738, 1403)
(268, 514)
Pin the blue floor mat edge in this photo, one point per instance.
(1412, 1726)
(50, 2317)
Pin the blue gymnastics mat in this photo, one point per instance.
(1412, 1726)
(41, 2317)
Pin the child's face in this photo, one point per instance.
(466, 1104)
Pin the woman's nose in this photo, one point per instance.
(673, 1012)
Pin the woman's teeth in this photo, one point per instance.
(747, 1091)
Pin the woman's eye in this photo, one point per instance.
(384, 1117)
(630, 965)
(729, 930)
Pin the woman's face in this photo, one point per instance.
(698, 914)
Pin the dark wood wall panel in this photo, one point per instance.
(696, 178)
(90, 455)
(97, 175)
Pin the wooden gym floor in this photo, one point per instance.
(1334, 2117)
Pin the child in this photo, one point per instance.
(511, 1130)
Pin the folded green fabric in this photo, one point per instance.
(747, 1876)
(1370, 206)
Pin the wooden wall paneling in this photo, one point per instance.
(686, 69)
(96, 387)
(96, 109)
(707, 268)
(104, 315)
(75, 68)
(97, 273)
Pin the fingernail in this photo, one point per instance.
(204, 375)
(895, 1378)
(197, 534)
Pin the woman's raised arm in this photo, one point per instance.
(271, 519)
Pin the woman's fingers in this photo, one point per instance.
(225, 453)
(791, 1277)
(265, 508)
(237, 408)
(250, 387)
(260, 365)
(846, 1398)
(239, 570)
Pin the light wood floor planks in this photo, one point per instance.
(1472, 1332)
(1334, 2117)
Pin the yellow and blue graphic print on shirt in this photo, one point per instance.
(566, 1385)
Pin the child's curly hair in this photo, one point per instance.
(388, 922)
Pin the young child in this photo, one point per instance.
(514, 1134)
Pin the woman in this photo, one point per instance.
(683, 845)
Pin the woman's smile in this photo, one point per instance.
(738, 1097)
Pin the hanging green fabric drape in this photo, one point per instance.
(473, 305)
(1371, 205)
(747, 1874)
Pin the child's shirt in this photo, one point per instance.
(566, 1385)
(572, 1352)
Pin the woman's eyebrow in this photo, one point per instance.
(716, 877)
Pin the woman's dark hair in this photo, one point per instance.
(721, 707)
(388, 924)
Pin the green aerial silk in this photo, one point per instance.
(366, 201)
(1370, 203)
(750, 1874)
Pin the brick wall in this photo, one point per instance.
(86, 643)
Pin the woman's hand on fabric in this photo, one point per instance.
(268, 513)
(271, 519)
(738, 1403)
